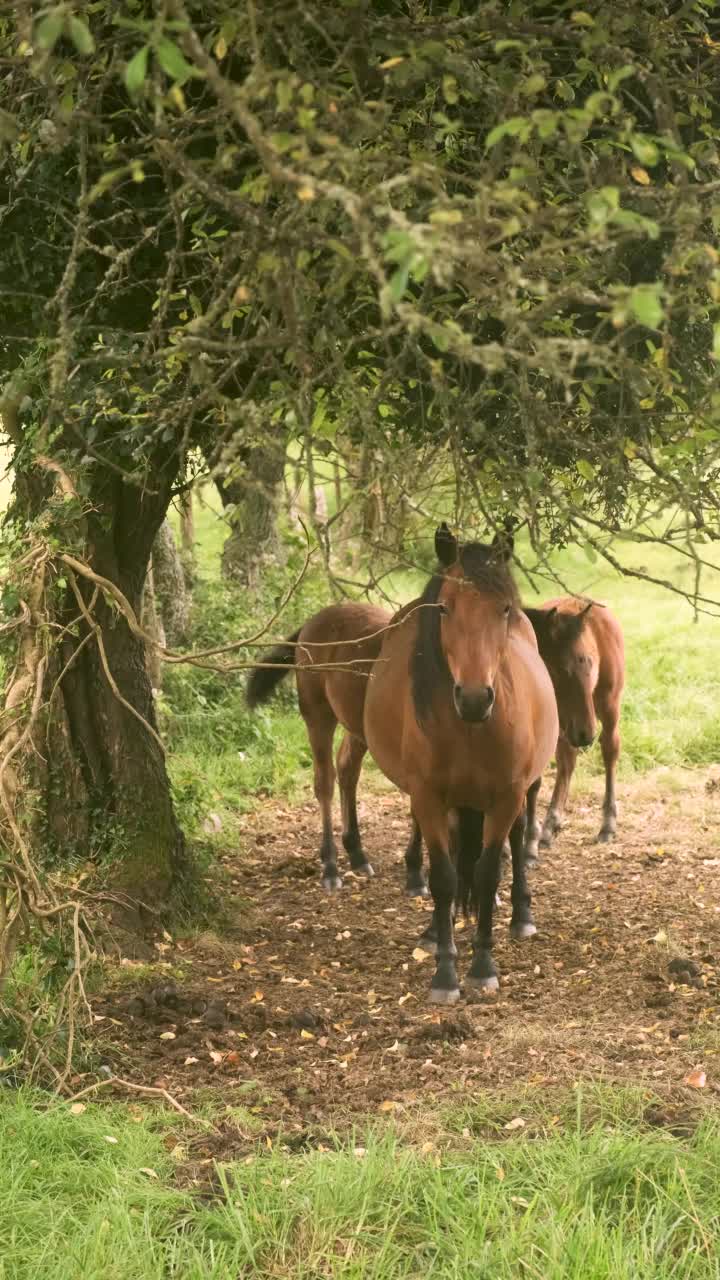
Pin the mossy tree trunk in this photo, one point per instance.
(101, 789)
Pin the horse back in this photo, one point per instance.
(335, 651)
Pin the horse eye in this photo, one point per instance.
(506, 611)
(443, 610)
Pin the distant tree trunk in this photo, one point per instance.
(171, 593)
(187, 536)
(251, 501)
(152, 623)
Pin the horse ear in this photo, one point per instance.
(446, 547)
(584, 612)
(504, 542)
(551, 614)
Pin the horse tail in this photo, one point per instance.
(468, 847)
(265, 679)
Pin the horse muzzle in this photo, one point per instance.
(474, 705)
(581, 739)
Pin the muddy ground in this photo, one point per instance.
(312, 1010)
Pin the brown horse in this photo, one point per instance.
(581, 643)
(460, 714)
(333, 653)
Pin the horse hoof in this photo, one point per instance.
(484, 985)
(428, 944)
(531, 861)
(364, 870)
(604, 837)
(331, 884)
(443, 995)
(417, 891)
(522, 929)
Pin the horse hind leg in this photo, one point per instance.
(532, 826)
(321, 728)
(522, 925)
(415, 883)
(610, 747)
(349, 763)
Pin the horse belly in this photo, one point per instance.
(383, 730)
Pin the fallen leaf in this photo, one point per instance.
(77, 1108)
(517, 1123)
(237, 964)
(500, 1173)
(150, 1172)
(420, 955)
(388, 1105)
(306, 193)
(108, 1138)
(167, 1035)
(216, 1056)
(696, 1079)
(189, 1061)
(391, 62)
(306, 1035)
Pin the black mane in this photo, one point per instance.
(485, 569)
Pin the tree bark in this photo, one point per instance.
(100, 787)
(251, 501)
(187, 537)
(171, 593)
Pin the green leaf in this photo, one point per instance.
(81, 36)
(646, 306)
(49, 30)
(284, 94)
(644, 150)
(716, 340)
(512, 127)
(136, 70)
(586, 469)
(172, 61)
(397, 283)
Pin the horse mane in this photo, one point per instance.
(485, 569)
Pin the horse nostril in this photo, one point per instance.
(490, 695)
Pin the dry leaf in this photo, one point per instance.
(237, 964)
(420, 955)
(388, 1105)
(167, 1035)
(216, 1056)
(696, 1079)
(189, 1061)
(306, 1035)
(108, 1138)
(517, 1123)
(77, 1108)
(500, 1173)
(391, 62)
(150, 1172)
(641, 175)
(306, 193)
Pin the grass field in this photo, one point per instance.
(578, 1195)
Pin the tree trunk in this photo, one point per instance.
(153, 624)
(187, 537)
(171, 592)
(100, 787)
(251, 502)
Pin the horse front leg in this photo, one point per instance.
(610, 746)
(415, 884)
(432, 817)
(498, 823)
(565, 757)
(522, 924)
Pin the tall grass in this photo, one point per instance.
(95, 1195)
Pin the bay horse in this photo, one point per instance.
(333, 653)
(461, 715)
(581, 643)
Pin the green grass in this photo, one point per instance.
(606, 1199)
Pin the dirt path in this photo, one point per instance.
(314, 1009)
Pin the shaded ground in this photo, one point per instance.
(313, 1009)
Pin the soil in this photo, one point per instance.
(312, 1010)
